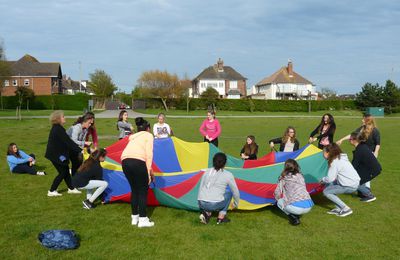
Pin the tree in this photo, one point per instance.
(24, 94)
(370, 96)
(391, 96)
(5, 72)
(328, 93)
(186, 84)
(210, 94)
(160, 84)
(102, 84)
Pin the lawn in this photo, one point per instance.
(372, 231)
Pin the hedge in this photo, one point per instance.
(254, 104)
(64, 102)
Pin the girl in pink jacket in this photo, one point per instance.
(211, 129)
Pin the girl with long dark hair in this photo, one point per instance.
(20, 162)
(250, 149)
(326, 130)
(90, 178)
(123, 126)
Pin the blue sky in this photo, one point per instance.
(337, 44)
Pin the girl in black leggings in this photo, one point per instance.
(136, 159)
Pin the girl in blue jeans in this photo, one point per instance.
(213, 194)
(342, 178)
(291, 193)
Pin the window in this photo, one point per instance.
(203, 85)
(15, 82)
(26, 82)
(6, 83)
(233, 84)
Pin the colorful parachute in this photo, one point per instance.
(179, 166)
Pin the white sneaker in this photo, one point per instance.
(145, 222)
(135, 219)
(53, 194)
(41, 173)
(74, 191)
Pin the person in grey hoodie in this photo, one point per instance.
(213, 195)
(123, 126)
(342, 178)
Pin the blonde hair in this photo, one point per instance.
(369, 125)
(55, 117)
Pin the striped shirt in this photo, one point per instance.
(292, 188)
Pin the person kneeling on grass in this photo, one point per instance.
(20, 162)
(213, 194)
(90, 177)
(291, 194)
(365, 163)
(342, 178)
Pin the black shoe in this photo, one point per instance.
(204, 217)
(294, 219)
(360, 195)
(223, 220)
(87, 204)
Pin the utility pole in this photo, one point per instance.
(80, 76)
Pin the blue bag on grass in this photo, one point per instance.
(59, 239)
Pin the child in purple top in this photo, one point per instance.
(211, 129)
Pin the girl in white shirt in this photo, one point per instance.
(161, 129)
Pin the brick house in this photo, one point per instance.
(44, 78)
(284, 84)
(228, 82)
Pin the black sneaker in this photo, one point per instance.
(294, 219)
(223, 220)
(368, 199)
(204, 217)
(87, 204)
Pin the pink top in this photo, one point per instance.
(92, 132)
(212, 129)
(140, 147)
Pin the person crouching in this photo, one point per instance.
(291, 193)
(213, 195)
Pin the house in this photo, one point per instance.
(44, 78)
(71, 87)
(285, 84)
(228, 82)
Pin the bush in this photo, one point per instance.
(254, 104)
(64, 102)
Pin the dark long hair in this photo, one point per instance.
(11, 152)
(120, 116)
(94, 157)
(86, 117)
(331, 122)
(250, 148)
(219, 161)
(333, 151)
(141, 124)
(291, 166)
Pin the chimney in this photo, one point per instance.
(290, 68)
(220, 65)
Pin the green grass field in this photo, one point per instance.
(371, 232)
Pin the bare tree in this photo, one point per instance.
(5, 72)
(161, 84)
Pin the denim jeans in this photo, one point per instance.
(221, 206)
(290, 209)
(332, 189)
(93, 184)
(365, 190)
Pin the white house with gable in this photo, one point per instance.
(285, 84)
